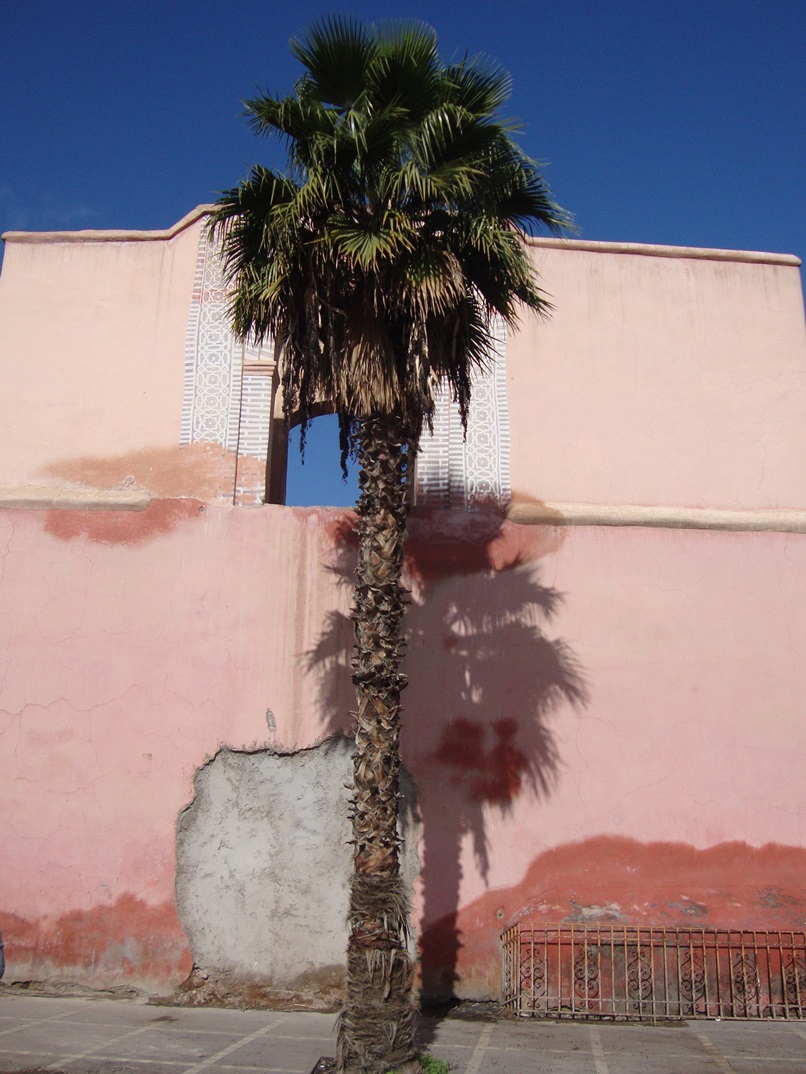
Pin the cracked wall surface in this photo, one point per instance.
(263, 864)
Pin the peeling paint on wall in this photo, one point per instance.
(126, 943)
(263, 864)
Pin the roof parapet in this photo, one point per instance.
(643, 249)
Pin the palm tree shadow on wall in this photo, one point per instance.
(486, 683)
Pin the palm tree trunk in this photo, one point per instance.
(376, 1028)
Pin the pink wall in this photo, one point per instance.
(134, 650)
(646, 805)
(135, 645)
(601, 722)
(664, 376)
(92, 344)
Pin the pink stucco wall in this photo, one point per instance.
(601, 722)
(135, 644)
(133, 652)
(92, 344)
(660, 790)
(664, 376)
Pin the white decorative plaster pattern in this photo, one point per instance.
(212, 358)
(433, 462)
(229, 391)
(256, 395)
(454, 470)
(258, 387)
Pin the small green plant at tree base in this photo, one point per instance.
(431, 1065)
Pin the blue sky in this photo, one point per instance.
(661, 121)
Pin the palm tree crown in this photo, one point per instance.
(379, 257)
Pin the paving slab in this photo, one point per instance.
(65, 1035)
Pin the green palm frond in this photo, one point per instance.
(336, 52)
(514, 190)
(479, 86)
(367, 244)
(431, 282)
(294, 118)
(450, 137)
(406, 72)
(381, 257)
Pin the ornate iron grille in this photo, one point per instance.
(611, 971)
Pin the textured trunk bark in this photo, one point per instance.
(376, 1029)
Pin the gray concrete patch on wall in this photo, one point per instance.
(263, 866)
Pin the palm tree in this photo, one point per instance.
(377, 260)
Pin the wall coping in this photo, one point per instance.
(642, 249)
(636, 248)
(738, 520)
(109, 235)
(77, 498)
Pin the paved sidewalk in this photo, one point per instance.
(102, 1036)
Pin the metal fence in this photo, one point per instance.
(650, 974)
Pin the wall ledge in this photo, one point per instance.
(47, 497)
(109, 236)
(642, 249)
(775, 520)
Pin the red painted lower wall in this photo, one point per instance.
(127, 943)
(609, 879)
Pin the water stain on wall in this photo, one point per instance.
(451, 543)
(122, 527)
(201, 470)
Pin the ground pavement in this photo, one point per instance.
(104, 1036)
